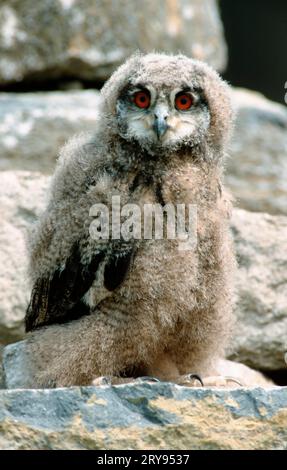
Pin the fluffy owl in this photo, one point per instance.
(131, 307)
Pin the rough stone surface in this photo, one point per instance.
(22, 197)
(33, 126)
(260, 337)
(2, 378)
(18, 371)
(88, 39)
(257, 168)
(143, 416)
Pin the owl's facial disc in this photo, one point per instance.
(162, 118)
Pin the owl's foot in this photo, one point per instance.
(114, 380)
(220, 381)
(146, 378)
(189, 380)
(111, 380)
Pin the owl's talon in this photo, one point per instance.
(146, 378)
(222, 381)
(218, 381)
(196, 377)
(190, 380)
(234, 380)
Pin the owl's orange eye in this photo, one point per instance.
(183, 101)
(142, 99)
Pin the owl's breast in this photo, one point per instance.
(190, 184)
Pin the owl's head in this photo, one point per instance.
(167, 102)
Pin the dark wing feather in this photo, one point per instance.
(116, 268)
(59, 299)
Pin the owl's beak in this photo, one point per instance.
(160, 125)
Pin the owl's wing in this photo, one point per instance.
(59, 298)
(61, 273)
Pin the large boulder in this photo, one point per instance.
(260, 337)
(257, 167)
(33, 126)
(88, 39)
(2, 378)
(261, 244)
(22, 197)
(143, 416)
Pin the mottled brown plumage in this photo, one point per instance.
(138, 307)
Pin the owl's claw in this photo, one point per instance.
(146, 378)
(196, 377)
(222, 381)
(193, 380)
(190, 380)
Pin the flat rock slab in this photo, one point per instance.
(143, 416)
(260, 337)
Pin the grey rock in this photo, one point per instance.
(33, 126)
(88, 39)
(257, 167)
(260, 337)
(22, 197)
(143, 416)
(17, 372)
(2, 378)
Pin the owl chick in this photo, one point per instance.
(136, 306)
